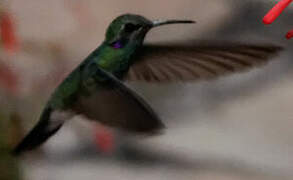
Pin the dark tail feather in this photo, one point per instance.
(38, 135)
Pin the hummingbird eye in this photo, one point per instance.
(129, 27)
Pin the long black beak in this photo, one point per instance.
(165, 22)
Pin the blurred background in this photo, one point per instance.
(236, 127)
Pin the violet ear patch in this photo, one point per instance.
(117, 45)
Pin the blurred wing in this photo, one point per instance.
(118, 106)
(159, 63)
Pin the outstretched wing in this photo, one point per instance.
(202, 60)
(114, 104)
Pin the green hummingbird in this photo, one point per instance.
(95, 88)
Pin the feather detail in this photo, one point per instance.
(188, 62)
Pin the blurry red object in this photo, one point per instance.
(276, 11)
(8, 79)
(104, 139)
(289, 34)
(7, 30)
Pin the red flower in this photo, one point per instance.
(104, 139)
(275, 12)
(7, 30)
(289, 34)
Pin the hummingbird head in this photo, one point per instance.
(130, 29)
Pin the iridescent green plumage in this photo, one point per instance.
(94, 89)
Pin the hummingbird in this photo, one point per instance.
(96, 90)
